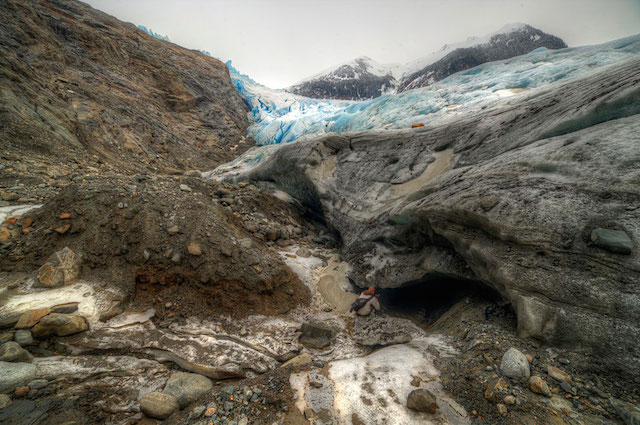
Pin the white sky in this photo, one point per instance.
(279, 42)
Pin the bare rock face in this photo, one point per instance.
(511, 198)
(62, 268)
(79, 86)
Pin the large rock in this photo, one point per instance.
(612, 240)
(422, 400)
(158, 405)
(507, 197)
(62, 268)
(12, 352)
(515, 365)
(187, 387)
(382, 331)
(315, 336)
(23, 337)
(14, 375)
(29, 318)
(59, 325)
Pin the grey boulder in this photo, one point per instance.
(187, 387)
(12, 352)
(612, 240)
(14, 375)
(158, 405)
(515, 365)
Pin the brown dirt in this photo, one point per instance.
(121, 226)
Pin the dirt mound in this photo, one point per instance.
(171, 243)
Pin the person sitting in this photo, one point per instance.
(366, 303)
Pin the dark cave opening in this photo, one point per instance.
(425, 301)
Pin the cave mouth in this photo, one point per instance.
(425, 301)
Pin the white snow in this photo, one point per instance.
(375, 387)
(15, 211)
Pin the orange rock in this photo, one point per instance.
(494, 388)
(417, 125)
(28, 319)
(194, 248)
(63, 229)
(10, 220)
(210, 412)
(27, 222)
(5, 234)
(27, 229)
(290, 255)
(64, 216)
(21, 391)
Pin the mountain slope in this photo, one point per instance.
(78, 86)
(364, 78)
(502, 45)
(359, 79)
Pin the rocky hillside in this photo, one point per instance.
(78, 87)
(363, 78)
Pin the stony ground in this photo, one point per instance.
(101, 348)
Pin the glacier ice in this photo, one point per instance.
(153, 34)
(282, 117)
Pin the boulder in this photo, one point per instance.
(62, 268)
(495, 389)
(59, 325)
(187, 387)
(422, 400)
(538, 386)
(371, 331)
(5, 400)
(5, 337)
(298, 362)
(612, 240)
(315, 336)
(29, 318)
(15, 375)
(515, 365)
(158, 405)
(23, 337)
(558, 374)
(12, 352)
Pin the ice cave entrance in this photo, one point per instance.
(429, 300)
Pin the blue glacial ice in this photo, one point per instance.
(153, 34)
(281, 117)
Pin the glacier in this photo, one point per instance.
(282, 117)
(279, 117)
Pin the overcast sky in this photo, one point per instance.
(279, 42)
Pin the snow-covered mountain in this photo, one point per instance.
(363, 78)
